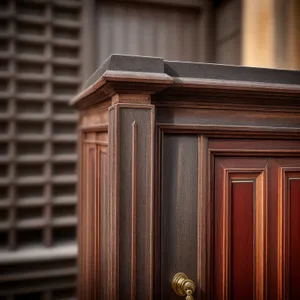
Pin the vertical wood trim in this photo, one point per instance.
(281, 262)
(157, 219)
(203, 219)
(294, 245)
(152, 204)
(284, 231)
(92, 221)
(80, 277)
(133, 210)
(113, 157)
(287, 235)
(226, 237)
(86, 231)
(98, 252)
(260, 237)
(116, 204)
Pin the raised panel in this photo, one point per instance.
(289, 228)
(294, 199)
(240, 225)
(242, 251)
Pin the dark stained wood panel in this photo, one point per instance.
(242, 230)
(294, 195)
(135, 177)
(178, 209)
(223, 114)
(131, 200)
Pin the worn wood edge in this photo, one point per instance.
(128, 76)
(186, 82)
(160, 80)
(156, 82)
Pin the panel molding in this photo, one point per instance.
(258, 177)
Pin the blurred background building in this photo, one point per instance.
(47, 49)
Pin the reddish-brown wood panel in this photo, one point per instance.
(93, 220)
(289, 228)
(239, 228)
(294, 198)
(242, 254)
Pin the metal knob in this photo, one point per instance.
(182, 286)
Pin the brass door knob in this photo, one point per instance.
(183, 286)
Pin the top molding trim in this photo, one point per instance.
(161, 74)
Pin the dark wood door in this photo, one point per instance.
(230, 217)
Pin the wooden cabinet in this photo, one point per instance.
(189, 167)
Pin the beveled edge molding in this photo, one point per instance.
(121, 73)
(221, 84)
(112, 82)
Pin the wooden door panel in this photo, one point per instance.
(179, 210)
(240, 221)
(294, 236)
(257, 226)
(289, 228)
